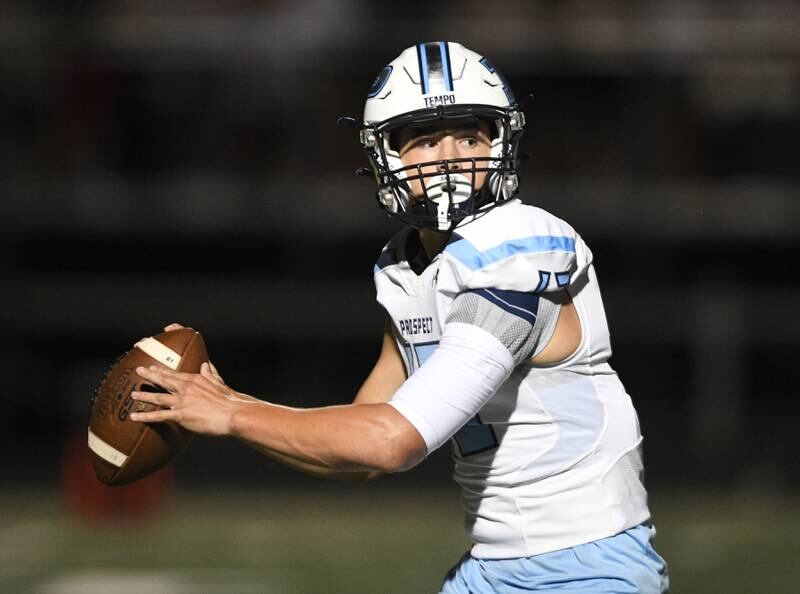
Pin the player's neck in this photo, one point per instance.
(433, 241)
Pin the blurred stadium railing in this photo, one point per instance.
(168, 163)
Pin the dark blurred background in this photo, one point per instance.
(180, 161)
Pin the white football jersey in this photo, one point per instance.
(553, 458)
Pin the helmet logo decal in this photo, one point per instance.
(435, 100)
(434, 62)
(379, 82)
(506, 87)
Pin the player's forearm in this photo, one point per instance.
(345, 476)
(356, 437)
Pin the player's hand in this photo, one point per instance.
(177, 326)
(169, 327)
(200, 402)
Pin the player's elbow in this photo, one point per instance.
(402, 447)
(357, 477)
(399, 458)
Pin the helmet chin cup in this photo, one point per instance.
(453, 188)
(444, 191)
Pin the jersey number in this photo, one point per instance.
(475, 437)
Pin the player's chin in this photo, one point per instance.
(416, 198)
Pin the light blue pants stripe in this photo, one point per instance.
(623, 564)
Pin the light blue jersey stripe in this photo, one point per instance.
(469, 256)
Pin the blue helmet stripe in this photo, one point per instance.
(422, 56)
(448, 77)
(506, 87)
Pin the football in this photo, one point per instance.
(123, 450)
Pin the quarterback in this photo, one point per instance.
(495, 340)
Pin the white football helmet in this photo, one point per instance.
(427, 83)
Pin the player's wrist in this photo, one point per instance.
(233, 421)
(239, 418)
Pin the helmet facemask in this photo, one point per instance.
(432, 84)
(446, 189)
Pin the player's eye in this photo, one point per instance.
(426, 142)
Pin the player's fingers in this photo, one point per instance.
(208, 371)
(173, 326)
(158, 398)
(166, 378)
(155, 416)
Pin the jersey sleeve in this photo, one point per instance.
(461, 375)
(506, 275)
(522, 322)
(526, 250)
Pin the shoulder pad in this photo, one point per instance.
(522, 248)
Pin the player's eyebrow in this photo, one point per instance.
(403, 137)
(413, 133)
(435, 132)
(446, 130)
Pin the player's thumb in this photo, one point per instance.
(210, 372)
(173, 326)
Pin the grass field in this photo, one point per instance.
(354, 542)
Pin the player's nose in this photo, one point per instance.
(448, 149)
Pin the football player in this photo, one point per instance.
(496, 340)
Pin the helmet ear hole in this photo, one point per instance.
(393, 140)
(495, 127)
